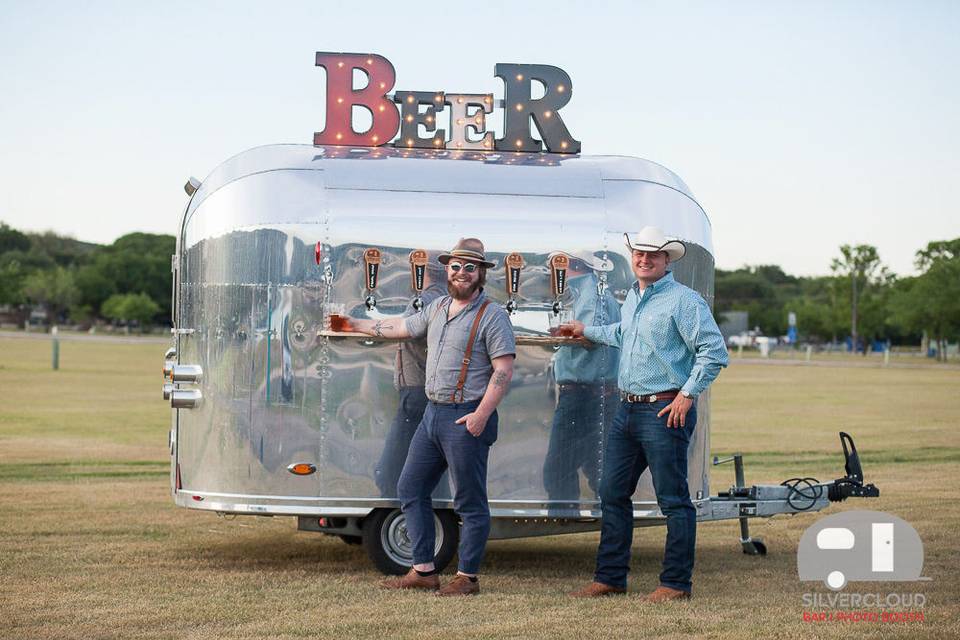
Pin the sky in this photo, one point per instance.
(799, 126)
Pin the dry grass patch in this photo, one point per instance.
(92, 546)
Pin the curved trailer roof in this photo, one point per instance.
(624, 182)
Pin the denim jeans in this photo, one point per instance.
(440, 444)
(410, 409)
(576, 442)
(639, 439)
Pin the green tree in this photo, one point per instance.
(12, 240)
(930, 302)
(11, 281)
(134, 263)
(860, 269)
(130, 308)
(53, 289)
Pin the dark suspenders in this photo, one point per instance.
(469, 351)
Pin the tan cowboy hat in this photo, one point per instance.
(467, 249)
(652, 239)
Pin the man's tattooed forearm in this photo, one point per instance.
(499, 379)
(379, 327)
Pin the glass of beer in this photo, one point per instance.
(557, 320)
(336, 319)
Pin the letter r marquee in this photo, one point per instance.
(342, 97)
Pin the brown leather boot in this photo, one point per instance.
(460, 586)
(413, 580)
(663, 594)
(597, 589)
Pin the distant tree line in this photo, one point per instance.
(127, 282)
(861, 298)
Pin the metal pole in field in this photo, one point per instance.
(809, 352)
(886, 356)
(56, 348)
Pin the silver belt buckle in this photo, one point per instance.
(652, 398)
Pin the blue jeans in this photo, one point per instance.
(575, 440)
(440, 444)
(410, 409)
(639, 439)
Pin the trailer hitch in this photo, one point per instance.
(851, 485)
(800, 494)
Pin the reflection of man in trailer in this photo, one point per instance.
(409, 378)
(470, 352)
(671, 350)
(586, 391)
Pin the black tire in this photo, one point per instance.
(351, 539)
(386, 542)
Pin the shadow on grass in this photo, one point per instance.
(555, 557)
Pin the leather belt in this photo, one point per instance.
(653, 397)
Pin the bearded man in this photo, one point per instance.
(470, 353)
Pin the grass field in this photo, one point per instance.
(92, 547)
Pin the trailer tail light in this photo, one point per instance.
(302, 468)
(168, 369)
(198, 498)
(318, 252)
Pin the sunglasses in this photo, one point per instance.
(468, 267)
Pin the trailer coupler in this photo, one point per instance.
(851, 485)
(796, 495)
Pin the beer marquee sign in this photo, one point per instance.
(407, 112)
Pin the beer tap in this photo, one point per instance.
(418, 270)
(558, 279)
(514, 264)
(371, 260)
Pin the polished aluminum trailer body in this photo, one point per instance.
(250, 301)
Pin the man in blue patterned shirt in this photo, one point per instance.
(670, 351)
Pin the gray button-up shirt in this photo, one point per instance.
(411, 366)
(447, 342)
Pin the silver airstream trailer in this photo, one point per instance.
(274, 413)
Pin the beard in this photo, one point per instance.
(458, 293)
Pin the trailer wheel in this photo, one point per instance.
(389, 547)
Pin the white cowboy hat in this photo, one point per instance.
(652, 239)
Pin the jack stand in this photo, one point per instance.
(751, 546)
